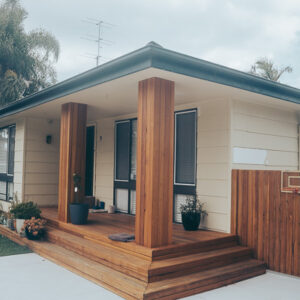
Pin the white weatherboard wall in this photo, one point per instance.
(41, 161)
(266, 128)
(213, 162)
(104, 161)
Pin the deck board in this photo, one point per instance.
(101, 225)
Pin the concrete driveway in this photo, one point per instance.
(31, 277)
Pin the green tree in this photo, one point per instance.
(265, 68)
(26, 59)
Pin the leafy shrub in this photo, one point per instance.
(192, 205)
(25, 210)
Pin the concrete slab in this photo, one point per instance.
(29, 276)
(270, 286)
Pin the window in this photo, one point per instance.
(7, 154)
(122, 150)
(125, 165)
(184, 158)
(185, 147)
(133, 149)
(184, 162)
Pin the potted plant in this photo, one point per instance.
(191, 212)
(34, 228)
(24, 211)
(10, 221)
(78, 211)
(3, 217)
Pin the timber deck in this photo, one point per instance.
(195, 262)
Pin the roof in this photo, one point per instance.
(155, 56)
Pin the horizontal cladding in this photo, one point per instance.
(42, 162)
(266, 128)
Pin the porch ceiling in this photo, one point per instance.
(119, 97)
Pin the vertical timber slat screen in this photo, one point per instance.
(267, 219)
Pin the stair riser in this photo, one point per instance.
(198, 266)
(154, 275)
(208, 287)
(223, 243)
(118, 265)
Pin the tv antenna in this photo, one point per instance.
(98, 39)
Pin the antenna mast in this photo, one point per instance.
(99, 40)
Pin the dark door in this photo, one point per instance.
(89, 168)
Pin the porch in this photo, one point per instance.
(194, 262)
(101, 225)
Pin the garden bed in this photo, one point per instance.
(8, 247)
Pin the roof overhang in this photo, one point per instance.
(153, 56)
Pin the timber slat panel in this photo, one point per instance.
(267, 219)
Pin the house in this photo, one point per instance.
(144, 131)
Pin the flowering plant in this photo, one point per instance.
(34, 228)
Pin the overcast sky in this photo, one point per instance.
(233, 33)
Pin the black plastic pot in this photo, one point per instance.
(191, 221)
(79, 213)
(30, 236)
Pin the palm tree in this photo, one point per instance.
(265, 68)
(26, 59)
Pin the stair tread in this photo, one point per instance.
(207, 275)
(102, 251)
(85, 265)
(200, 256)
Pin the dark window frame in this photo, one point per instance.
(178, 184)
(181, 188)
(129, 184)
(9, 177)
(178, 188)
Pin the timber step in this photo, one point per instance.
(174, 250)
(234, 264)
(144, 269)
(203, 281)
(118, 260)
(193, 263)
